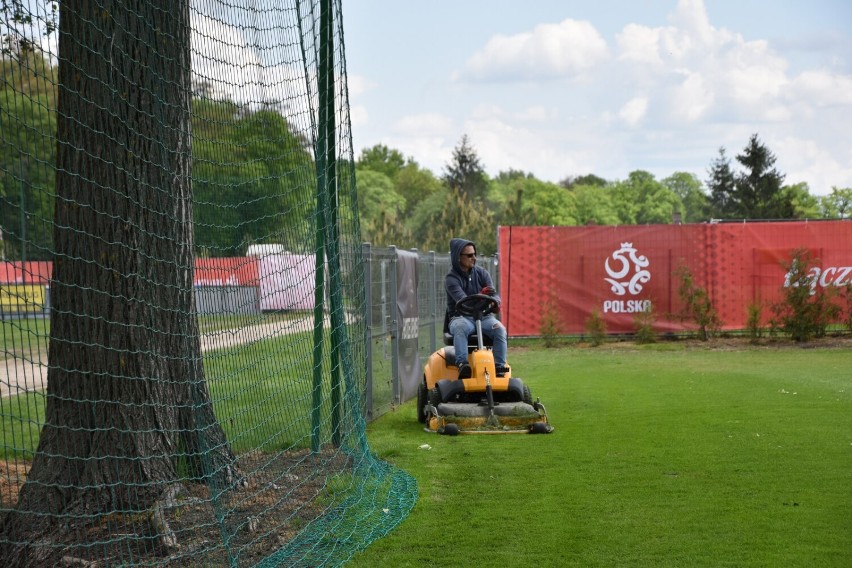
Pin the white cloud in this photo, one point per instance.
(358, 115)
(558, 50)
(691, 99)
(428, 125)
(537, 114)
(358, 85)
(805, 160)
(640, 44)
(722, 70)
(634, 110)
(659, 98)
(821, 88)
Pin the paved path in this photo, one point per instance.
(18, 375)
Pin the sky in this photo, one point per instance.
(562, 88)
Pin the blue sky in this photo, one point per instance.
(565, 88)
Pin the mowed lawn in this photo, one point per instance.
(670, 454)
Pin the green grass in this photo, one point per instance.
(662, 456)
(262, 392)
(24, 337)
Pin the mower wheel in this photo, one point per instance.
(450, 430)
(540, 428)
(422, 399)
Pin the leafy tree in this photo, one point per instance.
(517, 213)
(448, 214)
(252, 179)
(409, 180)
(382, 159)
(552, 204)
(465, 173)
(27, 155)
(594, 205)
(414, 184)
(641, 199)
(624, 202)
(571, 182)
(379, 205)
(507, 176)
(526, 200)
(722, 185)
(128, 413)
(837, 204)
(803, 204)
(692, 197)
(26, 175)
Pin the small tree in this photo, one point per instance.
(550, 324)
(806, 309)
(697, 304)
(722, 187)
(465, 172)
(753, 321)
(644, 322)
(596, 327)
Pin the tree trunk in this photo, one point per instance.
(126, 397)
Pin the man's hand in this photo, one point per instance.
(488, 291)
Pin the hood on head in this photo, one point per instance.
(456, 247)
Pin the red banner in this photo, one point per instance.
(571, 272)
(34, 272)
(230, 271)
(233, 271)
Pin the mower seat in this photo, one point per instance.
(472, 339)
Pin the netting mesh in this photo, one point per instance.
(182, 289)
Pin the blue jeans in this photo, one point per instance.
(462, 326)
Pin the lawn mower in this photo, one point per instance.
(484, 403)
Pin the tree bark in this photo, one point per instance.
(127, 402)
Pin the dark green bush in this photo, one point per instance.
(806, 309)
(596, 327)
(753, 321)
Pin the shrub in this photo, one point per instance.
(549, 326)
(753, 321)
(596, 326)
(644, 322)
(806, 309)
(697, 305)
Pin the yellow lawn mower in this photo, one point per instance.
(484, 403)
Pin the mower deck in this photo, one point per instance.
(466, 418)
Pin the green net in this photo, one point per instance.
(182, 289)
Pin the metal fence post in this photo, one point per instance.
(368, 332)
(433, 302)
(394, 327)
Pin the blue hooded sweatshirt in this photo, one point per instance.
(459, 283)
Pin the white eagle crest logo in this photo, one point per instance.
(630, 273)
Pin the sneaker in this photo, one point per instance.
(464, 371)
(502, 370)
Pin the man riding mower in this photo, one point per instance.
(483, 398)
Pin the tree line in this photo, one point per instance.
(408, 206)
